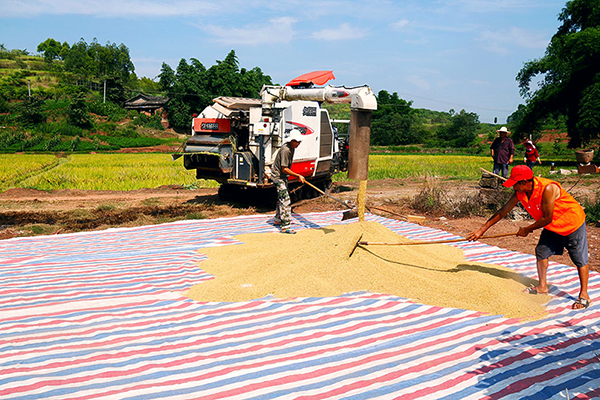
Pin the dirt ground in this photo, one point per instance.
(26, 212)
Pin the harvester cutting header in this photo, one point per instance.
(234, 141)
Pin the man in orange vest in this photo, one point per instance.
(562, 218)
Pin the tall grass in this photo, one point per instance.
(114, 172)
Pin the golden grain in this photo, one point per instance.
(315, 263)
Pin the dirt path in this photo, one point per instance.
(25, 212)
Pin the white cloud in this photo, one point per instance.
(277, 30)
(400, 24)
(107, 8)
(419, 82)
(486, 6)
(344, 32)
(502, 41)
(417, 42)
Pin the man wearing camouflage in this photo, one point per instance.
(280, 171)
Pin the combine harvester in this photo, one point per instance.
(235, 140)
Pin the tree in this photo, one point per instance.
(31, 112)
(570, 72)
(462, 130)
(78, 61)
(189, 94)
(51, 49)
(110, 63)
(147, 85)
(192, 87)
(77, 112)
(166, 78)
(252, 82)
(394, 121)
(223, 78)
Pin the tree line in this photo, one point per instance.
(192, 86)
(568, 96)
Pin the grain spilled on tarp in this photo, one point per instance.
(315, 263)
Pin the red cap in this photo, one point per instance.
(518, 173)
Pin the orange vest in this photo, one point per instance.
(568, 215)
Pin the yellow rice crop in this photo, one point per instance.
(13, 167)
(115, 172)
(425, 166)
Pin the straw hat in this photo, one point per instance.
(503, 129)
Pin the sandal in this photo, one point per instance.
(582, 302)
(533, 290)
(288, 231)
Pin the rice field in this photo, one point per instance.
(16, 167)
(106, 172)
(137, 171)
(425, 166)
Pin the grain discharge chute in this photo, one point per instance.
(234, 141)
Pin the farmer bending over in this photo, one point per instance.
(280, 173)
(562, 218)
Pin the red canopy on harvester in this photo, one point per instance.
(316, 77)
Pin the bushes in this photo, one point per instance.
(59, 128)
(111, 111)
(592, 209)
(434, 200)
(53, 142)
(77, 112)
(153, 122)
(10, 138)
(121, 142)
(30, 112)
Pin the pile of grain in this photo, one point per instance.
(315, 263)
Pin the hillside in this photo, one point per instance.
(45, 109)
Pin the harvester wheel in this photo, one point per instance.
(227, 192)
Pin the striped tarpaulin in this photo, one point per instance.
(101, 315)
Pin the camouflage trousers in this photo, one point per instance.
(283, 212)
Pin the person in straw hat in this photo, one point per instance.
(503, 150)
(562, 218)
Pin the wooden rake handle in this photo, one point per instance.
(328, 195)
(434, 241)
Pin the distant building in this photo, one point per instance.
(148, 105)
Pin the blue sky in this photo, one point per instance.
(442, 54)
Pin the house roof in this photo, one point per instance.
(146, 101)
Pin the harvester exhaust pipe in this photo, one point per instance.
(358, 154)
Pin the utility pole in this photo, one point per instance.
(29, 87)
(104, 100)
